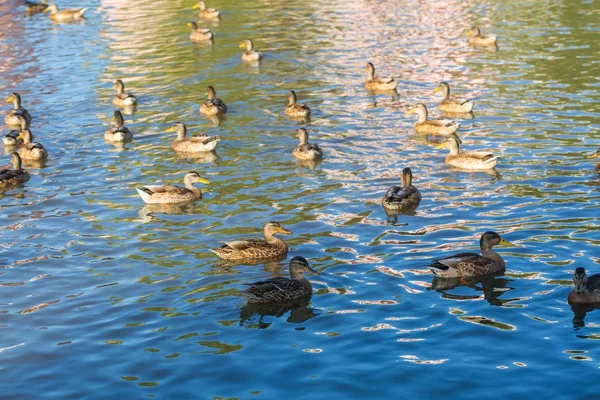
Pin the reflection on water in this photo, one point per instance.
(130, 295)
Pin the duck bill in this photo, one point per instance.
(241, 46)
(595, 154)
(411, 111)
(205, 181)
(8, 100)
(171, 129)
(313, 270)
(437, 89)
(505, 243)
(469, 33)
(47, 10)
(439, 146)
(285, 231)
(196, 5)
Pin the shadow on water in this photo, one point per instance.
(579, 313)
(491, 286)
(298, 312)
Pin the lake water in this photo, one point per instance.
(101, 297)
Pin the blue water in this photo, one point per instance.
(101, 297)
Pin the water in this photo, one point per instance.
(103, 298)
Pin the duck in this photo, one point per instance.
(452, 105)
(15, 176)
(213, 106)
(472, 160)
(373, 83)
(473, 264)
(596, 154)
(193, 144)
(199, 34)
(295, 109)
(476, 38)
(251, 249)
(280, 289)
(11, 118)
(119, 132)
(122, 98)
(250, 54)
(168, 194)
(405, 197)
(441, 127)
(69, 14)
(306, 151)
(586, 289)
(29, 150)
(11, 139)
(31, 7)
(207, 13)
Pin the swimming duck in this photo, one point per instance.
(122, 98)
(199, 34)
(306, 151)
(11, 118)
(473, 264)
(69, 14)
(15, 176)
(586, 288)
(596, 154)
(119, 132)
(206, 13)
(476, 38)
(193, 144)
(31, 7)
(212, 106)
(250, 249)
(294, 109)
(250, 54)
(473, 160)
(452, 105)
(441, 127)
(11, 139)
(373, 83)
(280, 289)
(30, 150)
(404, 197)
(168, 194)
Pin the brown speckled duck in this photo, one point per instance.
(119, 132)
(473, 160)
(69, 14)
(122, 98)
(379, 83)
(30, 150)
(31, 7)
(280, 289)
(405, 197)
(252, 249)
(199, 34)
(212, 107)
(586, 289)
(194, 143)
(206, 13)
(250, 54)
(476, 38)
(438, 127)
(450, 105)
(473, 264)
(295, 109)
(11, 118)
(306, 151)
(15, 176)
(596, 154)
(170, 194)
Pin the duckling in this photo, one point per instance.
(65, 15)
(478, 39)
(250, 54)
(11, 118)
(212, 106)
(373, 83)
(193, 144)
(119, 132)
(251, 249)
(473, 160)
(596, 154)
(122, 98)
(473, 264)
(15, 176)
(441, 127)
(30, 150)
(306, 151)
(199, 34)
(452, 105)
(168, 194)
(207, 13)
(294, 109)
(32, 7)
(586, 288)
(405, 197)
(280, 289)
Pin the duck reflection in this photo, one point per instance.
(579, 313)
(458, 115)
(299, 312)
(269, 264)
(491, 285)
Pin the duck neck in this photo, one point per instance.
(446, 92)
(189, 185)
(303, 138)
(16, 163)
(487, 252)
(297, 275)
(211, 93)
(292, 98)
(27, 136)
(422, 113)
(371, 72)
(16, 102)
(270, 238)
(181, 132)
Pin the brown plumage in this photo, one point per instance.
(373, 83)
(586, 289)
(30, 150)
(69, 14)
(306, 151)
(14, 176)
(192, 144)
(249, 249)
(451, 105)
(477, 39)
(118, 133)
(11, 118)
(405, 197)
(295, 109)
(213, 106)
(122, 98)
(441, 127)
